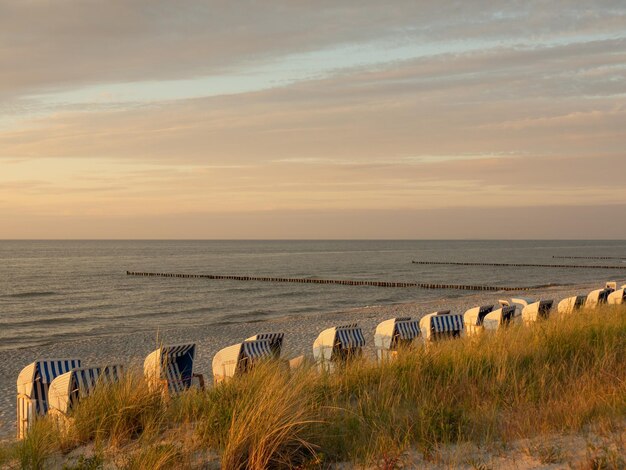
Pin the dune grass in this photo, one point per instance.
(557, 376)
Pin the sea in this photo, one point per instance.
(62, 290)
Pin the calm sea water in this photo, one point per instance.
(57, 290)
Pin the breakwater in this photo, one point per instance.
(529, 265)
(343, 282)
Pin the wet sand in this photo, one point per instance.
(300, 332)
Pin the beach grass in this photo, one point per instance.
(557, 376)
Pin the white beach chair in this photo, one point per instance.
(530, 310)
(539, 310)
(499, 318)
(337, 345)
(441, 325)
(171, 367)
(33, 384)
(473, 319)
(571, 304)
(240, 358)
(518, 302)
(394, 334)
(275, 339)
(68, 389)
(617, 297)
(598, 297)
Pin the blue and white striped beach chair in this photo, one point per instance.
(240, 358)
(275, 339)
(33, 383)
(68, 389)
(441, 325)
(473, 319)
(394, 334)
(618, 296)
(337, 345)
(171, 367)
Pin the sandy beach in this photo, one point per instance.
(131, 348)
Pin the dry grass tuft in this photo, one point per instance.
(119, 413)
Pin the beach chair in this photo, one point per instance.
(171, 367)
(539, 310)
(337, 345)
(571, 304)
(499, 318)
(473, 319)
(33, 383)
(394, 334)
(240, 358)
(275, 339)
(518, 302)
(441, 325)
(598, 296)
(68, 389)
(617, 297)
(530, 310)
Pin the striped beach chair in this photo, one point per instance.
(394, 334)
(441, 325)
(240, 358)
(337, 345)
(33, 384)
(171, 367)
(617, 297)
(69, 388)
(498, 318)
(571, 304)
(275, 339)
(530, 310)
(473, 319)
(600, 296)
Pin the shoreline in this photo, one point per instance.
(300, 332)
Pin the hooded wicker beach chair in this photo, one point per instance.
(337, 345)
(499, 318)
(441, 325)
(518, 302)
(33, 384)
(68, 389)
(571, 304)
(617, 297)
(598, 297)
(171, 367)
(473, 319)
(529, 309)
(275, 339)
(394, 334)
(240, 358)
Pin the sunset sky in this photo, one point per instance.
(290, 119)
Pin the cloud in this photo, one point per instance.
(496, 101)
(48, 46)
(405, 108)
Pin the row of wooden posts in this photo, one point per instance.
(469, 263)
(344, 282)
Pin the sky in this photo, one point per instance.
(328, 119)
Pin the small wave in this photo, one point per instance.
(23, 295)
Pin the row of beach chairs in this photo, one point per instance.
(55, 386)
